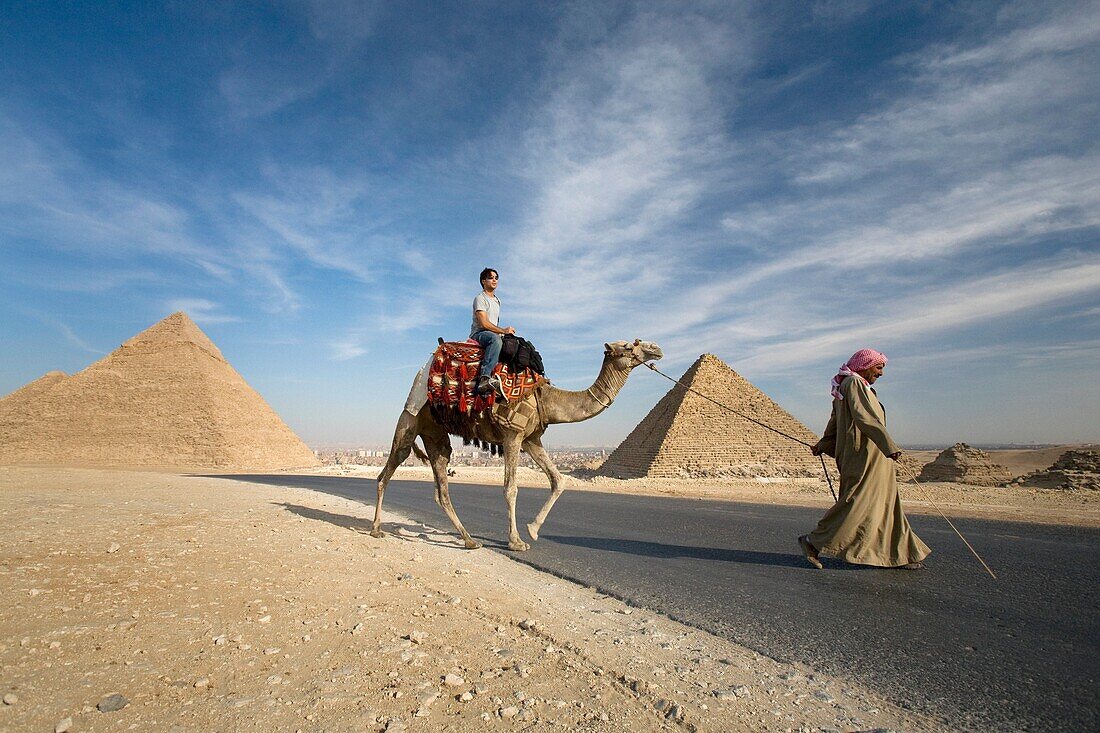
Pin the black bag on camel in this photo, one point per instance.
(519, 354)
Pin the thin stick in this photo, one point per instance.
(827, 477)
(970, 547)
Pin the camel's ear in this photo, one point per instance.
(637, 341)
(607, 348)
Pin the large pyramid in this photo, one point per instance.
(165, 398)
(685, 435)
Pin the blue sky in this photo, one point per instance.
(318, 184)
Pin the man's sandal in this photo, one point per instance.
(809, 552)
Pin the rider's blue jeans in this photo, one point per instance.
(491, 343)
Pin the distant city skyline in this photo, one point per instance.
(318, 184)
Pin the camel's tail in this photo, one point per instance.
(420, 454)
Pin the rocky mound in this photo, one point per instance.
(1075, 470)
(964, 464)
(165, 398)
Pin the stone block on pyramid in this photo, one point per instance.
(685, 435)
(165, 398)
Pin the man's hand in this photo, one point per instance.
(508, 330)
(816, 449)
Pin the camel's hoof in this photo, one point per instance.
(533, 530)
(377, 533)
(519, 546)
(472, 544)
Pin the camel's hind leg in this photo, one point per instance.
(511, 460)
(438, 445)
(403, 437)
(533, 447)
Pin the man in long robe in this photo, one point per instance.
(866, 525)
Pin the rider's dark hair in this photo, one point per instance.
(486, 273)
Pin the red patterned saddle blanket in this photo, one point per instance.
(452, 379)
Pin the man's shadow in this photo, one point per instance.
(691, 552)
(719, 554)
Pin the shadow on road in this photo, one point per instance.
(406, 532)
(656, 549)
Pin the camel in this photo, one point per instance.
(553, 406)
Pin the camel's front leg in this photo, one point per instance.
(534, 448)
(511, 461)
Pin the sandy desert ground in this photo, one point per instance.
(154, 601)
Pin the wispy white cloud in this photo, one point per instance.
(997, 210)
(1076, 26)
(264, 79)
(320, 216)
(1066, 356)
(278, 295)
(49, 191)
(76, 341)
(836, 12)
(73, 279)
(342, 21)
(935, 312)
(630, 138)
(200, 310)
(345, 350)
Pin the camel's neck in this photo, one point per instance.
(563, 406)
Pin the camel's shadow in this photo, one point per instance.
(405, 531)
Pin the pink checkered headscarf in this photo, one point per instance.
(862, 359)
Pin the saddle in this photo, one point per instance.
(453, 398)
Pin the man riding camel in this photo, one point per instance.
(486, 332)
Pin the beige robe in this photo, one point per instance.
(866, 525)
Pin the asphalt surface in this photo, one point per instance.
(1018, 653)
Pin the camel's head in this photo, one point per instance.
(627, 355)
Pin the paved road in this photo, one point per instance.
(1019, 653)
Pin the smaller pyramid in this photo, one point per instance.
(1075, 470)
(964, 464)
(165, 398)
(31, 391)
(686, 435)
